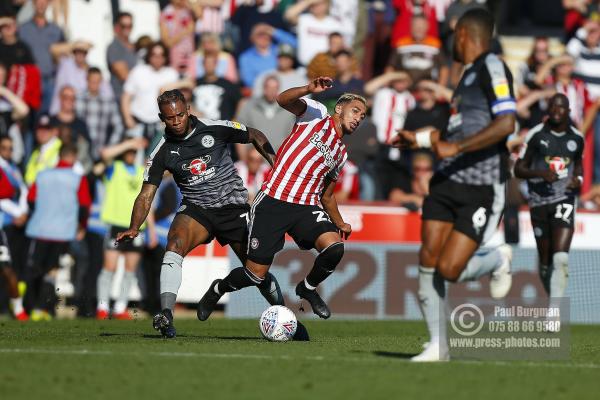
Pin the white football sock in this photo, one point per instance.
(103, 289)
(17, 305)
(432, 292)
(122, 300)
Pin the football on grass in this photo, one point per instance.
(278, 324)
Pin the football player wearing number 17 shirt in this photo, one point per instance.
(215, 202)
(551, 161)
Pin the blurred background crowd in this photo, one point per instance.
(72, 80)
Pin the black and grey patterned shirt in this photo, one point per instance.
(201, 163)
(483, 93)
(558, 151)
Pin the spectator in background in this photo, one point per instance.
(122, 181)
(73, 129)
(323, 64)
(248, 15)
(41, 35)
(429, 110)
(577, 12)
(253, 169)
(405, 11)
(413, 195)
(12, 49)
(215, 97)
(525, 78)
(142, 87)
(285, 72)
(313, 28)
(72, 70)
(585, 50)
(419, 54)
(210, 44)
(391, 103)
(120, 55)
(177, 33)
(60, 202)
(347, 186)
(13, 211)
(100, 114)
(45, 155)
(12, 107)
(266, 115)
(346, 12)
(262, 56)
(344, 81)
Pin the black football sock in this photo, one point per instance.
(325, 264)
(237, 279)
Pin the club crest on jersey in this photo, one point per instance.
(208, 141)
(197, 166)
(571, 145)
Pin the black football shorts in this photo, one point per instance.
(545, 219)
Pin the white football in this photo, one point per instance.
(278, 324)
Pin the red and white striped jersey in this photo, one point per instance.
(389, 112)
(311, 152)
(348, 181)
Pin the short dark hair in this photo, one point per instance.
(334, 34)
(343, 52)
(120, 15)
(479, 22)
(152, 46)
(170, 96)
(94, 70)
(68, 149)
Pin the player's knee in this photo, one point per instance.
(332, 255)
(176, 244)
(449, 270)
(259, 272)
(560, 261)
(427, 257)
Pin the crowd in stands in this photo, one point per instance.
(231, 58)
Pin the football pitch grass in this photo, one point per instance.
(227, 359)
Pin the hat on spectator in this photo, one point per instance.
(286, 50)
(44, 122)
(81, 45)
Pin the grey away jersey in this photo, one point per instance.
(483, 93)
(555, 151)
(201, 163)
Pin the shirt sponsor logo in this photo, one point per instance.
(323, 149)
(197, 166)
(208, 141)
(558, 165)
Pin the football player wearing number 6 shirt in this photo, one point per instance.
(466, 194)
(551, 161)
(306, 169)
(215, 202)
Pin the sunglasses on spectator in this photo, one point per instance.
(80, 51)
(421, 169)
(155, 54)
(126, 26)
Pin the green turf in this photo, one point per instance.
(226, 359)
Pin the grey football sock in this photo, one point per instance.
(103, 288)
(432, 292)
(170, 279)
(480, 265)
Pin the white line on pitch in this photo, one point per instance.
(288, 357)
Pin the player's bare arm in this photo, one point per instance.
(523, 170)
(291, 98)
(330, 206)
(262, 145)
(141, 208)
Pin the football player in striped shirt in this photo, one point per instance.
(297, 197)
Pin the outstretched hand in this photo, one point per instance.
(320, 84)
(126, 236)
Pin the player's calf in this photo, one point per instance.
(324, 265)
